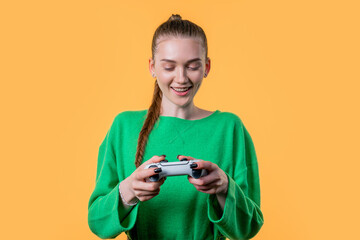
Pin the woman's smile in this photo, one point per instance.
(181, 91)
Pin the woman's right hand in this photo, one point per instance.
(135, 186)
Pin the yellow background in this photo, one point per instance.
(289, 69)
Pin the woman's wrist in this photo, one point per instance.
(127, 196)
(221, 196)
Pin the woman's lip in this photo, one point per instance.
(181, 93)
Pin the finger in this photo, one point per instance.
(145, 194)
(155, 159)
(209, 191)
(159, 182)
(205, 180)
(215, 184)
(206, 165)
(149, 187)
(182, 157)
(146, 173)
(210, 188)
(147, 197)
(204, 188)
(140, 192)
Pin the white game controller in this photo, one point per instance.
(182, 167)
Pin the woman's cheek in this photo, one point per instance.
(195, 74)
(166, 75)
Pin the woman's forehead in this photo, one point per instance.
(176, 38)
(179, 48)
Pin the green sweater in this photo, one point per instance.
(179, 211)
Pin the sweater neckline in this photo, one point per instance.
(189, 120)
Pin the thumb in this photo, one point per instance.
(180, 157)
(155, 159)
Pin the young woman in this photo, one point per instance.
(224, 203)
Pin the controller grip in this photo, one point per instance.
(198, 173)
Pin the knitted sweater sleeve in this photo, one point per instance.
(241, 217)
(107, 217)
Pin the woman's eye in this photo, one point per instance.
(194, 68)
(191, 68)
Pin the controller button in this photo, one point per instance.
(196, 173)
(184, 159)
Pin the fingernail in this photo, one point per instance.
(193, 165)
(158, 170)
(177, 156)
(163, 155)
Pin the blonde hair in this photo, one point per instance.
(175, 26)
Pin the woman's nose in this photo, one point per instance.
(181, 76)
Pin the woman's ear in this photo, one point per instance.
(152, 67)
(207, 67)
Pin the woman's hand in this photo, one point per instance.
(135, 186)
(216, 182)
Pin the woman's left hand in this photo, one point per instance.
(215, 182)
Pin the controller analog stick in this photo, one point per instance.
(196, 173)
(154, 178)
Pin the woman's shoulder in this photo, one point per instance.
(131, 115)
(221, 115)
(230, 116)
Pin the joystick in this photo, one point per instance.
(176, 169)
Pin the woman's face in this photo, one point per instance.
(179, 68)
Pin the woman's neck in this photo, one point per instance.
(189, 112)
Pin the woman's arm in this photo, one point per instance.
(107, 215)
(234, 200)
(238, 215)
(221, 198)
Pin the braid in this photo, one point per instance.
(152, 116)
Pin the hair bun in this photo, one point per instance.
(175, 17)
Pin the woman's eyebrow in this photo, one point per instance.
(191, 60)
